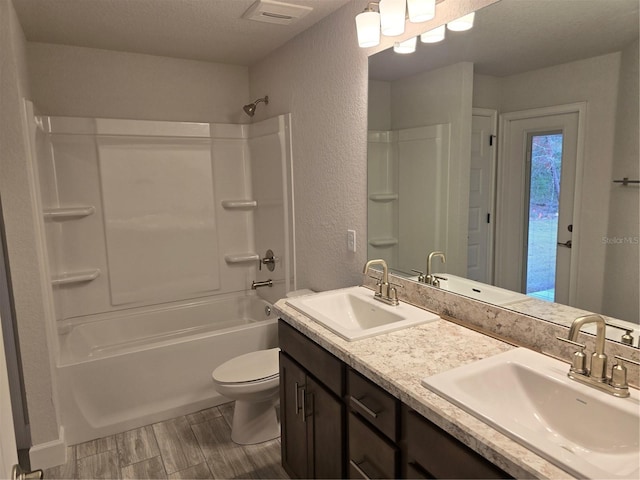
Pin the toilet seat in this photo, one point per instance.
(253, 367)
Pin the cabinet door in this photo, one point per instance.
(325, 430)
(293, 424)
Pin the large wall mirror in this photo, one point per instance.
(507, 147)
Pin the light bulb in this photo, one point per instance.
(368, 28)
(408, 46)
(392, 14)
(463, 23)
(421, 10)
(433, 36)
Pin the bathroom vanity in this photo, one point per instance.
(336, 423)
(357, 409)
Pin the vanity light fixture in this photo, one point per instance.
(462, 24)
(392, 15)
(388, 17)
(421, 10)
(433, 36)
(368, 26)
(408, 46)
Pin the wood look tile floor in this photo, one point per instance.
(189, 447)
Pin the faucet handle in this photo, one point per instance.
(579, 360)
(626, 338)
(619, 358)
(421, 276)
(619, 373)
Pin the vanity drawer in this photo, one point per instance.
(315, 359)
(433, 453)
(373, 404)
(370, 454)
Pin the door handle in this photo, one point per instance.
(565, 244)
(18, 473)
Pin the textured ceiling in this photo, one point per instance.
(514, 36)
(209, 30)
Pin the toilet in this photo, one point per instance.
(252, 380)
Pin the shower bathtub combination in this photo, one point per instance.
(131, 369)
(152, 233)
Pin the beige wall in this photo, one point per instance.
(622, 259)
(20, 228)
(321, 78)
(87, 82)
(594, 81)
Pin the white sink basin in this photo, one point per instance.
(354, 314)
(529, 398)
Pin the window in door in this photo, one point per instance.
(545, 167)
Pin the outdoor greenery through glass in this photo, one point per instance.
(544, 202)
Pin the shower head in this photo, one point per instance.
(251, 108)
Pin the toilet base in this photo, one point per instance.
(255, 422)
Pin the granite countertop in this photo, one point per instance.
(397, 361)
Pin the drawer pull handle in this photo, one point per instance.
(297, 397)
(360, 471)
(363, 407)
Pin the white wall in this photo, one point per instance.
(87, 82)
(20, 227)
(321, 78)
(621, 270)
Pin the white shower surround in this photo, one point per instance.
(142, 317)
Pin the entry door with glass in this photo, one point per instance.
(535, 205)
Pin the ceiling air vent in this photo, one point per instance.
(270, 11)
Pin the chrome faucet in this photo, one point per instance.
(598, 359)
(595, 375)
(429, 278)
(386, 293)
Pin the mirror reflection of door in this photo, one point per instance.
(537, 195)
(481, 195)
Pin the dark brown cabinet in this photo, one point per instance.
(336, 424)
(312, 416)
(430, 452)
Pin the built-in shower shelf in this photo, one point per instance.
(75, 277)
(61, 213)
(239, 204)
(242, 257)
(383, 242)
(383, 197)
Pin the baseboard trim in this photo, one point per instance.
(49, 454)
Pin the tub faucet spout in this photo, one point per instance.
(265, 283)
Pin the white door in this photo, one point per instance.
(8, 451)
(519, 214)
(481, 195)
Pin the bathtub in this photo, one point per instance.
(122, 371)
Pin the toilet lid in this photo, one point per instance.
(249, 367)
